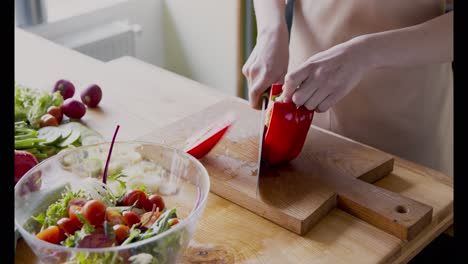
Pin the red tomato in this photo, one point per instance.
(55, 112)
(155, 199)
(121, 232)
(149, 218)
(95, 212)
(115, 218)
(76, 201)
(52, 234)
(69, 226)
(131, 218)
(133, 196)
(48, 120)
(73, 210)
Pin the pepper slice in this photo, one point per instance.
(286, 129)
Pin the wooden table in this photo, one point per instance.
(141, 97)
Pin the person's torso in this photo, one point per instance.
(406, 111)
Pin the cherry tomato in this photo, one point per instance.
(173, 221)
(115, 218)
(131, 218)
(48, 120)
(55, 112)
(73, 210)
(95, 212)
(69, 226)
(76, 201)
(155, 199)
(121, 232)
(149, 218)
(52, 234)
(133, 196)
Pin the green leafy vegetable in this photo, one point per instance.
(58, 209)
(32, 104)
(96, 257)
(40, 218)
(122, 184)
(162, 224)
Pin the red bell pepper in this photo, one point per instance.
(286, 129)
(201, 143)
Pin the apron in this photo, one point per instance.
(407, 112)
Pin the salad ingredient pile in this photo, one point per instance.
(98, 216)
(77, 220)
(31, 104)
(41, 128)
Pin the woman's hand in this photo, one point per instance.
(326, 77)
(267, 64)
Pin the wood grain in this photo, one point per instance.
(329, 172)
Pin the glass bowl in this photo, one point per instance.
(179, 178)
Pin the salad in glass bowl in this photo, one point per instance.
(144, 210)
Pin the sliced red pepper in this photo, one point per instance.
(201, 143)
(286, 131)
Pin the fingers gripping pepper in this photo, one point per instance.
(286, 129)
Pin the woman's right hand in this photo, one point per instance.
(267, 64)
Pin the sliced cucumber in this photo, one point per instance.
(87, 135)
(70, 140)
(66, 131)
(51, 135)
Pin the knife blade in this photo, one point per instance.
(261, 133)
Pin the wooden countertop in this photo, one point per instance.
(141, 97)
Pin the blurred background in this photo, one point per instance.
(206, 40)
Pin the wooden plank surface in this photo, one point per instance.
(228, 233)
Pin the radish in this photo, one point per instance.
(73, 108)
(91, 96)
(24, 161)
(66, 88)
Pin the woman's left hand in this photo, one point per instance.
(326, 77)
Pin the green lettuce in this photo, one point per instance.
(58, 210)
(32, 104)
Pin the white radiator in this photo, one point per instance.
(104, 42)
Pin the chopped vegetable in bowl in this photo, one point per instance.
(73, 217)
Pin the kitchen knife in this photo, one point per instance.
(261, 135)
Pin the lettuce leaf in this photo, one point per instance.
(58, 209)
(32, 104)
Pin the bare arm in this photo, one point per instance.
(268, 62)
(426, 43)
(326, 77)
(269, 15)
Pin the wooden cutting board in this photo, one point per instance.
(330, 172)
